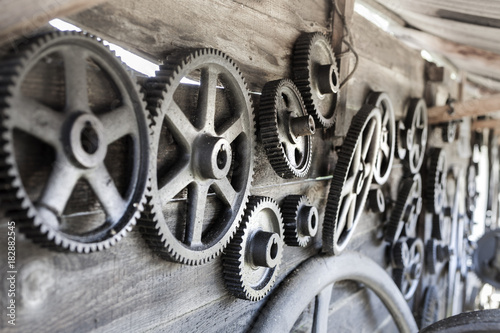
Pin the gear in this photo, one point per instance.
(62, 143)
(443, 253)
(286, 129)
(414, 136)
(400, 254)
(301, 220)
(438, 221)
(430, 307)
(376, 200)
(449, 131)
(407, 210)
(385, 158)
(472, 194)
(316, 76)
(351, 179)
(251, 261)
(407, 278)
(431, 257)
(202, 163)
(436, 184)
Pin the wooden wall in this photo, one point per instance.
(128, 288)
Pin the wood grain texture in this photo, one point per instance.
(20, 18)
(474, 107)
(129, 288)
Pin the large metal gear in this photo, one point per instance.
(75, 161)
(406, 211)
(385, 157)
(435, 189)
(351, 179)
(286, 129)
(203, 152)
(431, 256)
(312, 283)
(414, 135)
(251, 261)
(316, 76)
(301, 220)
(407, 278)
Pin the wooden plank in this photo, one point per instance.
(341, 26)
(21, 17)
(479, 125)
(475, 107)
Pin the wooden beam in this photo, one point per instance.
(21, 17)
(486, 124)
(474, 107)
(346, 8)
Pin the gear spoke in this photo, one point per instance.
(367, 139)
(347, 189)
(206, 97)
(180, 125)
(105, 189)
(225, 191)
(321, 310)
(75, 63)
(174, 182)
(352, 212)
(118, 123)
(59, 186)
(233, 130)
(38, 120)
(197, 197)
(344, 214)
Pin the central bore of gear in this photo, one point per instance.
(84, 138)
(327, 79)
(89, 139)
(265, 249)
(213, 156)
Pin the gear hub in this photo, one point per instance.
(301, 220)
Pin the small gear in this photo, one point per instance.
(252, 258)
(436, 185)
(404, 216)
(407, 278)
(472, 194)
(400, 254)
(414, 136)
(385, 158)
(449, 131)
(376, 200)
(316, 76)
(431, 257)
(63, 142)
(351, 179)
(430, 307)
(443, 253)
(286, 129)
(202, 159)
(301, 220)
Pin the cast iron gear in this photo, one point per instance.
(351, 179)
(407, 278)
(449, 131)
(430, 307)
(431, 257)
(252, 258)
(376, 200)
(385, 157)
(400, 253)
(286, 129)
(81, 145)
(316, 76)
(435, 189)
(438, 221)
(301, 220)
(414, 136)
(404, 216)
(202, 159)
(443, 253)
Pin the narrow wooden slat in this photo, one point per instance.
(476, 107)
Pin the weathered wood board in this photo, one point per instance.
(129, 288)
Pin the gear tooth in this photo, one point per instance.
(431, 256)
(394, 226)
(435, 184)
